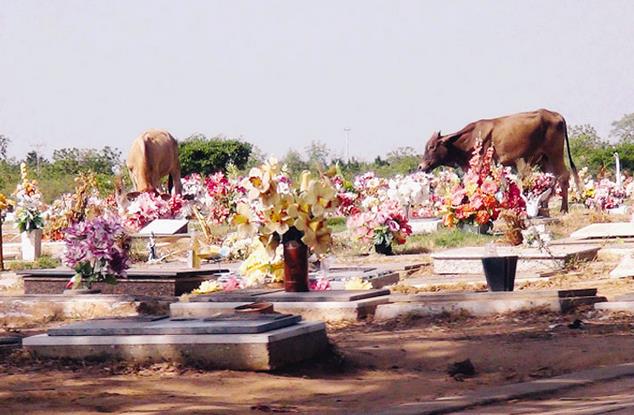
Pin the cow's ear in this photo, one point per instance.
(450, 138)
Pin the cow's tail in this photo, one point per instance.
(575, 174)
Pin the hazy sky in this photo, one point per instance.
(283, 73)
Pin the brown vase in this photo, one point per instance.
(295, 266)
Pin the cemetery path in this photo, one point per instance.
(383, 365)
(613, 397)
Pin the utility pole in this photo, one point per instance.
(38, 148)
(347, 131)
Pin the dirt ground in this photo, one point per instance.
(373, 366)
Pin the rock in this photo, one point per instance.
(461, 369)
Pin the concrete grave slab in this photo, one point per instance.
(616, 306)
(625, 268)
(31, 310)
(243, 295)
(605, 230)
(165, 227)
(339, 276)
(468, 260)
(261, 351)
(485, 303)
(223, 324)
(158, 282)
(322, 296)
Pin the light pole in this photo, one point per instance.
(347, 131)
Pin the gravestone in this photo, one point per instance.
(340, 275)
(165, 227)
(468, 260)
(605, 230)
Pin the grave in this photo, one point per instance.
(404, 265)
(258, 342)
(338, 276)
(605, 231)
(329, 305)
(468, 260)
(9, 343)
(485, 303)
(161, 227)
(31, 310)
(159, 282)
(623, 303)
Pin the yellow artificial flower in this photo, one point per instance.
(257, 182)
(272, 167)
(4, 202)
(317, 235)
(259, 265)
(208, 287)
(320, 196)
(245, 219)
(357, 284)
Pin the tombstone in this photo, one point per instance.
(165, 227)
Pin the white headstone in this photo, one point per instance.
(165, 227)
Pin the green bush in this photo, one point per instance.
(198, 154)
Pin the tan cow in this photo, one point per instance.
(154, 155)
(537, 137)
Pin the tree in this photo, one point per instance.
(403, 160)
(197, 154)
(623, 129)
(587, 148)
(294, 162)
(4, 145)
(72, 161)
(317, 153)
(35, 160)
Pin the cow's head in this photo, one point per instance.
(436, 152)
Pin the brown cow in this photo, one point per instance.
(537, 137)
(154, 155)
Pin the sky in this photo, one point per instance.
(280, 74)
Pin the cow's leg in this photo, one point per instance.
(564, 181)
(175, 175)
(135, 183)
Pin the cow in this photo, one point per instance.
(154, 155)
(537, 137)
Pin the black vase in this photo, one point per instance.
(383, 248)
(500, 272)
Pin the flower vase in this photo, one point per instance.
(31, 244)
(295, 266)
(384, 248)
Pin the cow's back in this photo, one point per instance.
(153, 155)
(526, 135)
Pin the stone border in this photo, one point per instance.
(491, 395)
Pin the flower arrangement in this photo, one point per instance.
(97, 249)
(604, 195)
(410, 190)
(486, 189)
(149, 206)
(277, 211)
(69, 209)
(29, 205)
(382, 224)
(223, 195)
